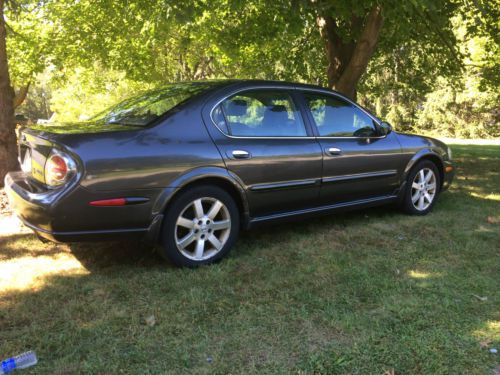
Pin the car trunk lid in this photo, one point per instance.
(37, 141)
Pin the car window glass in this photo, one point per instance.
(260, 113)
(219, 119)
(144, 109)
(335, 117)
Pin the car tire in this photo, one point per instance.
(200, 227)
(421, 188)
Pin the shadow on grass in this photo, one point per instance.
(10, 248)
(93, 256)
(111, 254)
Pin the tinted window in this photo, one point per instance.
(260, 113)
(335, 117)
(143, 109)
(219, 119)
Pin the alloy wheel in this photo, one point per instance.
(423, 189)
(202, 229)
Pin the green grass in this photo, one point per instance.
(361, 293)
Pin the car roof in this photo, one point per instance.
(262, 82)
(216, 86)
(226, 85)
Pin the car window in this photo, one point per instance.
(218, 118)
(143, 109)
(335, 117)
(260, 113)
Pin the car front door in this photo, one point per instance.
(264, 141)
(359, 163)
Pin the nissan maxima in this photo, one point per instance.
(189, 165)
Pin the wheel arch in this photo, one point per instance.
(207, 176)
(426, 155)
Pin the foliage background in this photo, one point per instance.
(82, 57)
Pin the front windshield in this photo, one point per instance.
(143, 109)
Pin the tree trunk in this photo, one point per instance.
(347, 60)
(21, 95)
(8, 146)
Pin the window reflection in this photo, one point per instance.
(260, 113)
(144, 109)
(335, 117)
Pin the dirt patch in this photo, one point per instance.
(4, 204)
(9, 223)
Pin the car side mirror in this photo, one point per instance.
(385, 128)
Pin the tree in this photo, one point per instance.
(342, 44)
(8, 150)
(154, 40)
(347, 60)
(24, 52)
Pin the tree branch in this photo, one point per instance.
(427, 19)
(362, 53)
(21, 95)
(333, 43)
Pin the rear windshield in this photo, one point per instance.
(143, 109)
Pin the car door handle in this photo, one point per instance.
(333, 151)
(240, 154)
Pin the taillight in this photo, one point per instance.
(59, 168)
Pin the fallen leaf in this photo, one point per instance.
(150, 320)
(100, 292)
(491, 220)
(390, 372)
(484, 343)
(480, 298)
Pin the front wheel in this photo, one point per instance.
(422, 188)
(200, 227)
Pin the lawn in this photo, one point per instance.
(367, 292)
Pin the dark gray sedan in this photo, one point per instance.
(189, 165)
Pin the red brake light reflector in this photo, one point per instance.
(109, 202)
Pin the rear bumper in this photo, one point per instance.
(28, 201)
(65, 216)
(82, 236)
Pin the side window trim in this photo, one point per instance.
(342, 98)
(290, 90)
(300, 103)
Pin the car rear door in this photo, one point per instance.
(358, 162)
(266, 144)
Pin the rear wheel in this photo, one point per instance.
(200, 226)
(422, 188)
